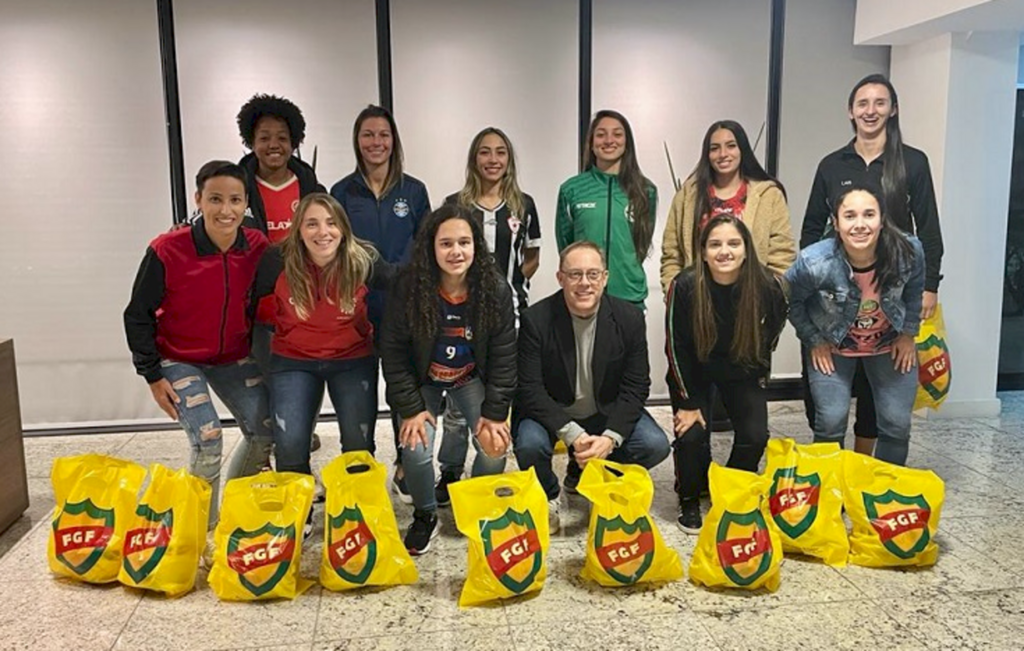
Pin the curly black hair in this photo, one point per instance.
(423, 278)
(260, 106)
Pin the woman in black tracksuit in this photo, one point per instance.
(724, 317)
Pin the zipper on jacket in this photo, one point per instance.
(608, 224)
(224, 313)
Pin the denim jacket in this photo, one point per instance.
(825, 298)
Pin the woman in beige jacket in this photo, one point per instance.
(728, 179)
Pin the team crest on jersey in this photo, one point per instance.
(81, 533)
(262, 557)
(901, 522)
(401, 208)
(514, 223)
(146, 544)
(512, 548)
(744, 546)
(625, 550)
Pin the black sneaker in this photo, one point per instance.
(441, 490)
(307, 529)
(572, 478)
(689, 516)
(314, 443)
(421, 532)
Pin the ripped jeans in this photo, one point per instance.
(240, 387)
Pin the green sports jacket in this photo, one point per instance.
(593, 206)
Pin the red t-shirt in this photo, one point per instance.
(734, 205)
(871, 333)
(279, 204)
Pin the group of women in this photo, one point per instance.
(367, 275)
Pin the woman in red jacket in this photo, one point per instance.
(319, 277)
(188, 326)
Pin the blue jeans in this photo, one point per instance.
(418, 462)
(894, 394)
(240, 387)
(297, 389)
(647, 446)
(454, 441)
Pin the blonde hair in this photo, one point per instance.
(342, 276)
(509, 184)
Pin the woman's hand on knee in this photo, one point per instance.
(904, 353)
(165, 397)
(684, 419)
(821, 357)
(494, 436)
(414, 430)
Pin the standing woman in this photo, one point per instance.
(385, 206)
(612, 204)
(188, 324)
(512, 231)
(725, 314)
(877, 157)
(856, 298)
(450, 330)
(728, 180)
(318, 280)
(272, 129)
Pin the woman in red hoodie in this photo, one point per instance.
(319, 277)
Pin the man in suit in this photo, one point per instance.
(583, 377)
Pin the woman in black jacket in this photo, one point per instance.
(724, 317)
(449, 329)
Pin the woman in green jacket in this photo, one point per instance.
(612, 204)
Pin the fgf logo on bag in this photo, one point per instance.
(262, 557)
(512, 547)
(81, 533)
(744, 546)
(146, 544)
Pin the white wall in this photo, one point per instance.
(673, 68)
(86, 186)
(820, 66)
(462, 65)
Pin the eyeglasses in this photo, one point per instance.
(576, 275)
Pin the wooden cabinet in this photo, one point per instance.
(13, 483)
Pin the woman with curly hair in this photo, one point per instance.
(612, 204)
(449, 330)
(318, 279)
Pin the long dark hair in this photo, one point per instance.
(893, 254)
(632, 181)
(754, 284)
(894, 170)
(423, 278)
(704, 174)
(395, 160)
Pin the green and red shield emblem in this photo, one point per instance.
(262, 557)
(625, 551)
(81, 533)
(933, 373)
(512, 548)
(744, 546)
(793, 501)
(146, 542)
(351, 546)
(900, 521)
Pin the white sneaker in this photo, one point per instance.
(555, 515)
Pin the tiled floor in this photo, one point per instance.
(972, 599)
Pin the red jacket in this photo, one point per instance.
(327, 333)
(192, 303)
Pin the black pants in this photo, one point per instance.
(866, 423)
(747, 404)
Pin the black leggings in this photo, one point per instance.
(747, 404)
(866, 423)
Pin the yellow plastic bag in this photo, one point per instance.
(739, 545)
(505, 518)
(623, 543)
(96, 497)
(167, 533)
(362, 545)
(934, 371)
(806, 499)
(895, 512)
(259, 537)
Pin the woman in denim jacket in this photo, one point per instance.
(858, 295)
